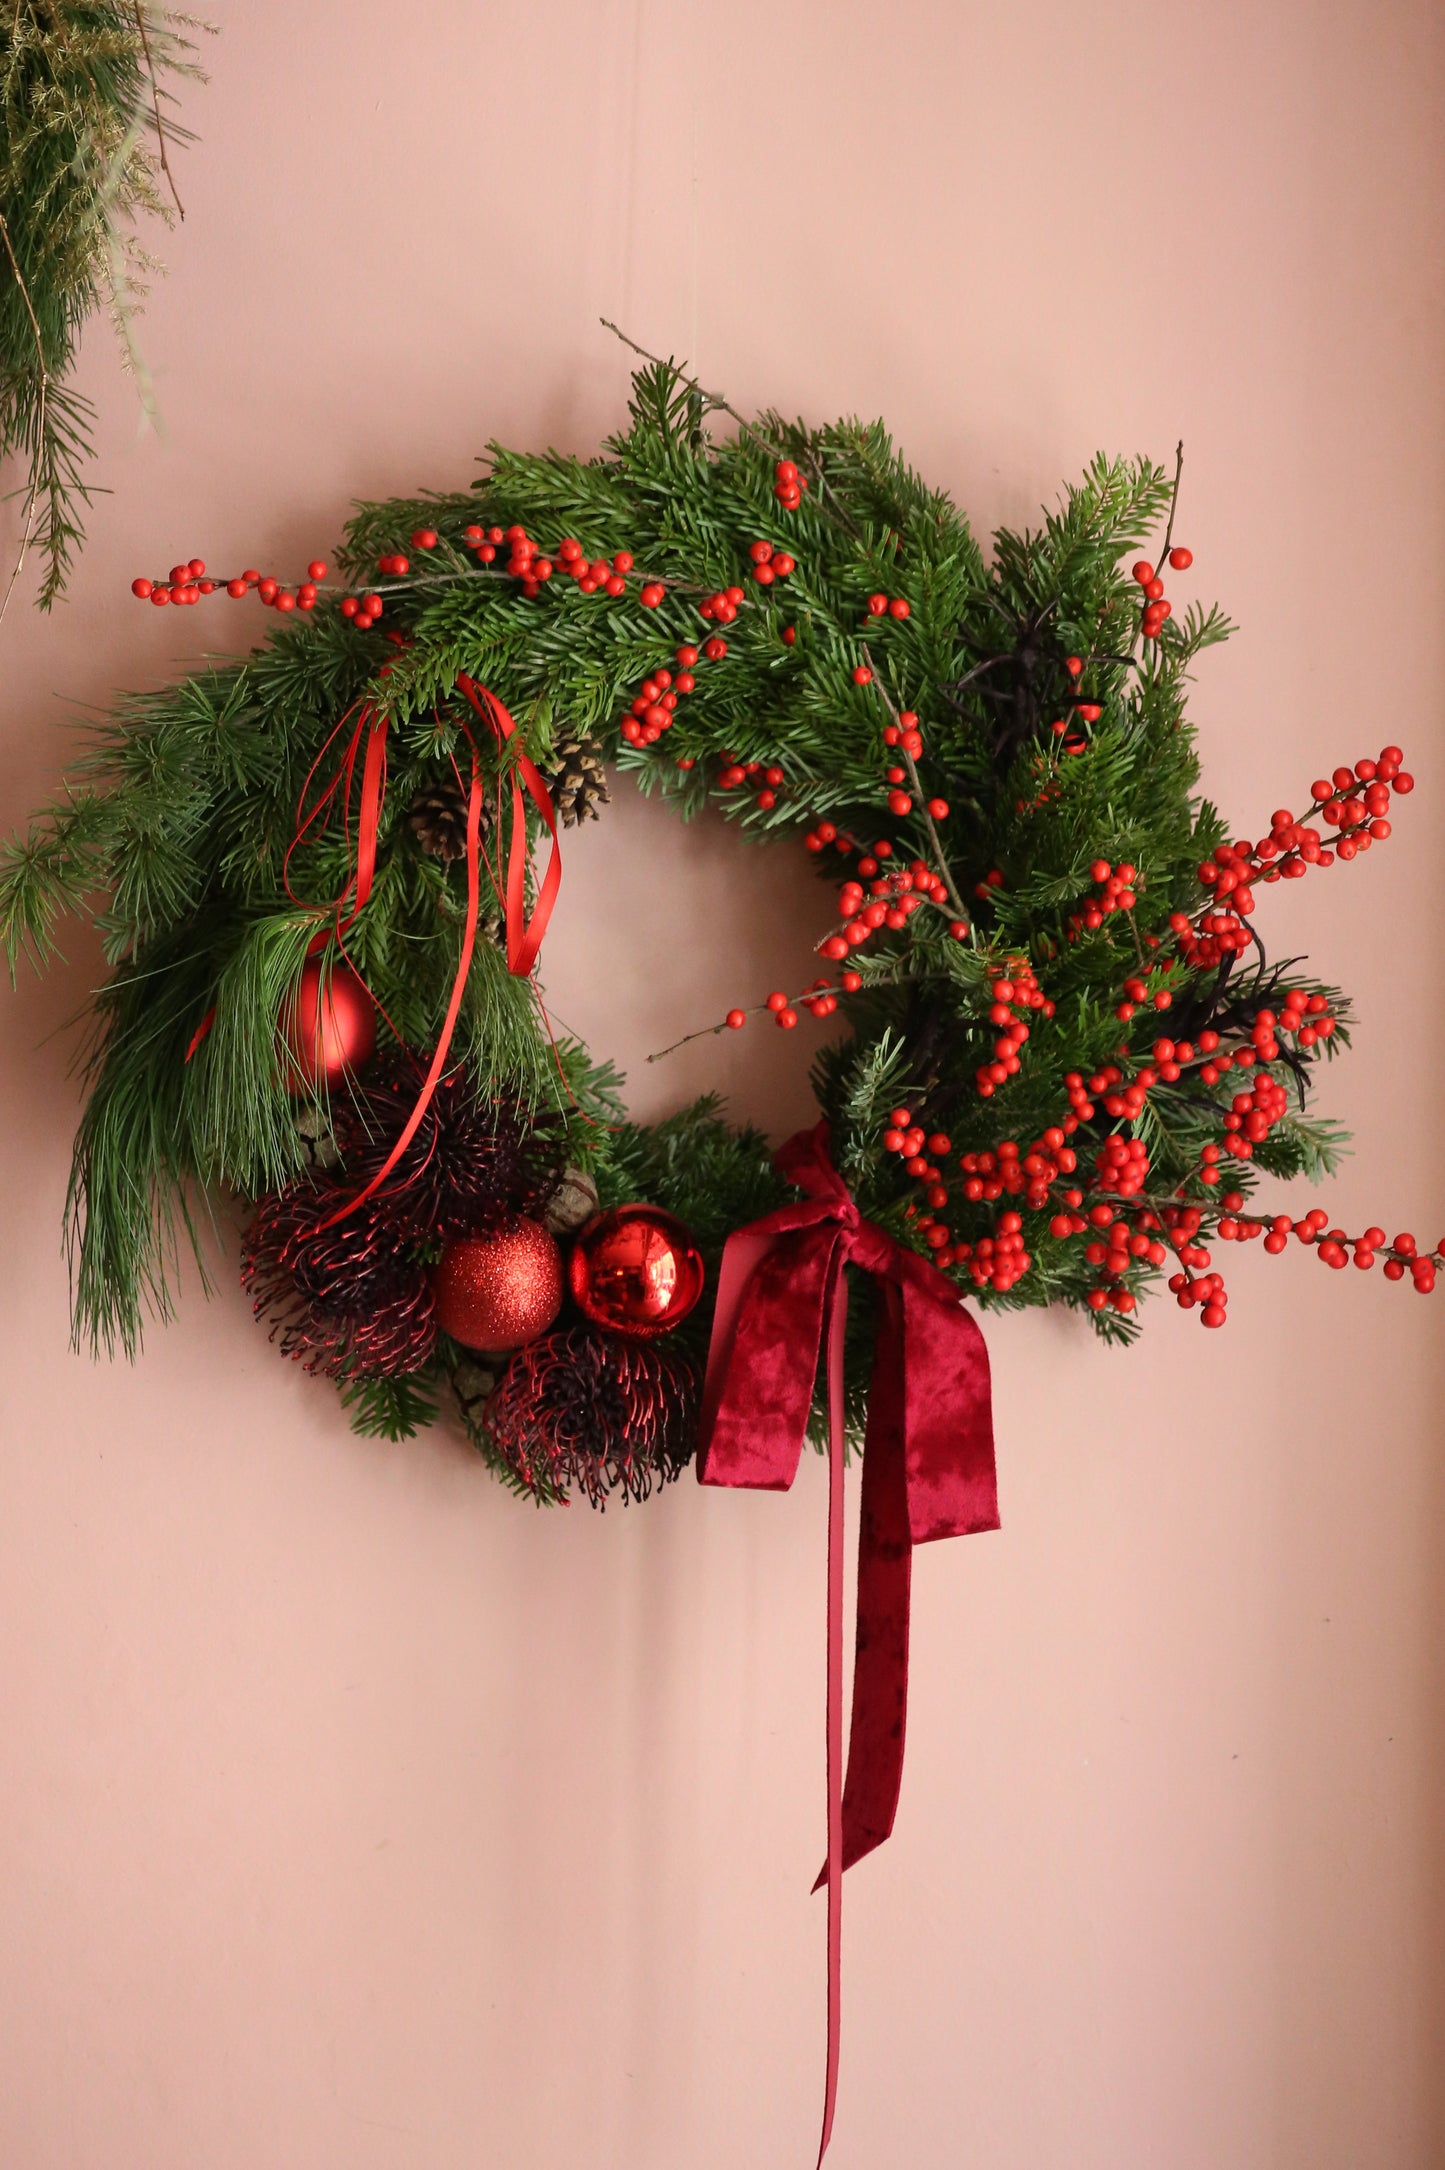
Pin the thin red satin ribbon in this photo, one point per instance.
(928, 1463)
(524, 937)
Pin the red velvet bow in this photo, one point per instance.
(928, 1462)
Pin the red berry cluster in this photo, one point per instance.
(1251, 1117)
(1196, 1287)
(884, 606)
(1156, 607)
(890, 901)
(654, 705)
(1117, 892)
(1012, 986)
(769, 564)
(1136, 991)
(764, 777)
(1121, 1166)
(789, 484)
(1306, 1018)
(1116, 1247)
(1218, 934)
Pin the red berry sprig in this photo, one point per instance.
(1157, 607)
(1402, 1255)
(188, 584)
(1012, 986)
(1353, 801)
(789, 483)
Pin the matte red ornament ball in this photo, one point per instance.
(327, 1028)
(635, 1270)
(496, 1292)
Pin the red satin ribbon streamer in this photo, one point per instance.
(928, 1462)
(371, 724)
(524, 937)
(444, 1038)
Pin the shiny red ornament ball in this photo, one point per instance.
(497, 1291)
(635, 1270)
(327, 1028)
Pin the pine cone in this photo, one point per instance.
(577, 783)
(472, 1383)
(318, 1147)
(437, 817)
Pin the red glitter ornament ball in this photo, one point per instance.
(327, 1027)
(635, 1270)
(497, 1291)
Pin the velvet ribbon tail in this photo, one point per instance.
(928, 1466)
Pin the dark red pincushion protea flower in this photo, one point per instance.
(475, 1158)
(341, 1300)
(593, 1412)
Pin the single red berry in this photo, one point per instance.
(652, 594)
(787, 1019)
(715, 649)
(316, 570)
(141, 587)
(898, 608)
(236, 588)
(862, 676)
(1142, 570)
(424, 538)
(160, 594)
(1181, 559)
(735, 1018)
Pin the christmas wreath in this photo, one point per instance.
(1069, 1058)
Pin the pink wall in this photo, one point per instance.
(354, 1816)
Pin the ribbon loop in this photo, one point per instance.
(928, 1461)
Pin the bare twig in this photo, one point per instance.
(827, 504)
(138, 8)
(1173, 503)
(714, 399)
